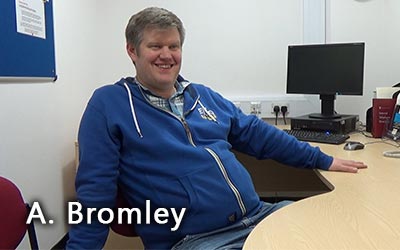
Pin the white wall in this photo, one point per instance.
(377, 23)
(228, 44)
(236, 47)
(39, 121)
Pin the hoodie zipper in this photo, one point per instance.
(187, 130)
(181, 119)
(228, 180)
(210, 151)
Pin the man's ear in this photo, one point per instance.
(132, 51)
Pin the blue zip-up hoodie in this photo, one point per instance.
(174, 162)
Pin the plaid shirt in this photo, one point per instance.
(173, 104)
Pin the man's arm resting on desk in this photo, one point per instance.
(341, 165)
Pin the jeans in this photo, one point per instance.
(230, 237)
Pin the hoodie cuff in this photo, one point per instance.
(324, 161)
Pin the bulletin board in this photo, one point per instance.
(27, 41)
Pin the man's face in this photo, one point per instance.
(158, 60)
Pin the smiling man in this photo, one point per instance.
(157, 58)
(163, 140)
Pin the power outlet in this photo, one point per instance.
(280, 105)
(255, 108)
(238, 104)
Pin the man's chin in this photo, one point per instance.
(167, 80)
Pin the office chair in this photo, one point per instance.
(13, 214)
(123, 229)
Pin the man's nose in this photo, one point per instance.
(165, 53)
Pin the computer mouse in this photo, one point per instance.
(353, 145)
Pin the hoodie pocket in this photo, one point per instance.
(174, 192)
(203, 192)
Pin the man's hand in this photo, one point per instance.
(341, 165)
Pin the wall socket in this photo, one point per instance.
(280, 104)
(238, 104)
(263, 106)
(255, 108)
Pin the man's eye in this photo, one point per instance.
(174, 47)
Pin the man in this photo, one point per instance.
(167, 143)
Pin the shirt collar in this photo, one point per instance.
(179, 87)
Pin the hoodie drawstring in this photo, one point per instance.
(133, 110)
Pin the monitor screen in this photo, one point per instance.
(327, 70)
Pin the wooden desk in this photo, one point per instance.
(362, 212)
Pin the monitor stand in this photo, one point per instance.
(327, 120)
(327, 108)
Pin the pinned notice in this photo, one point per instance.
(30, 17)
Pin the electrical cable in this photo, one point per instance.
(284, 110)
(276, 111)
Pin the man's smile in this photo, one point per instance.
(164, 66)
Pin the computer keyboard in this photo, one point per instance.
(317, 136)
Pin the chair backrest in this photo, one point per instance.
(124, 229)
(13, 214)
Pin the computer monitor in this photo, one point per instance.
(327, 70)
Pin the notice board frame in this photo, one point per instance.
(26, 58)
